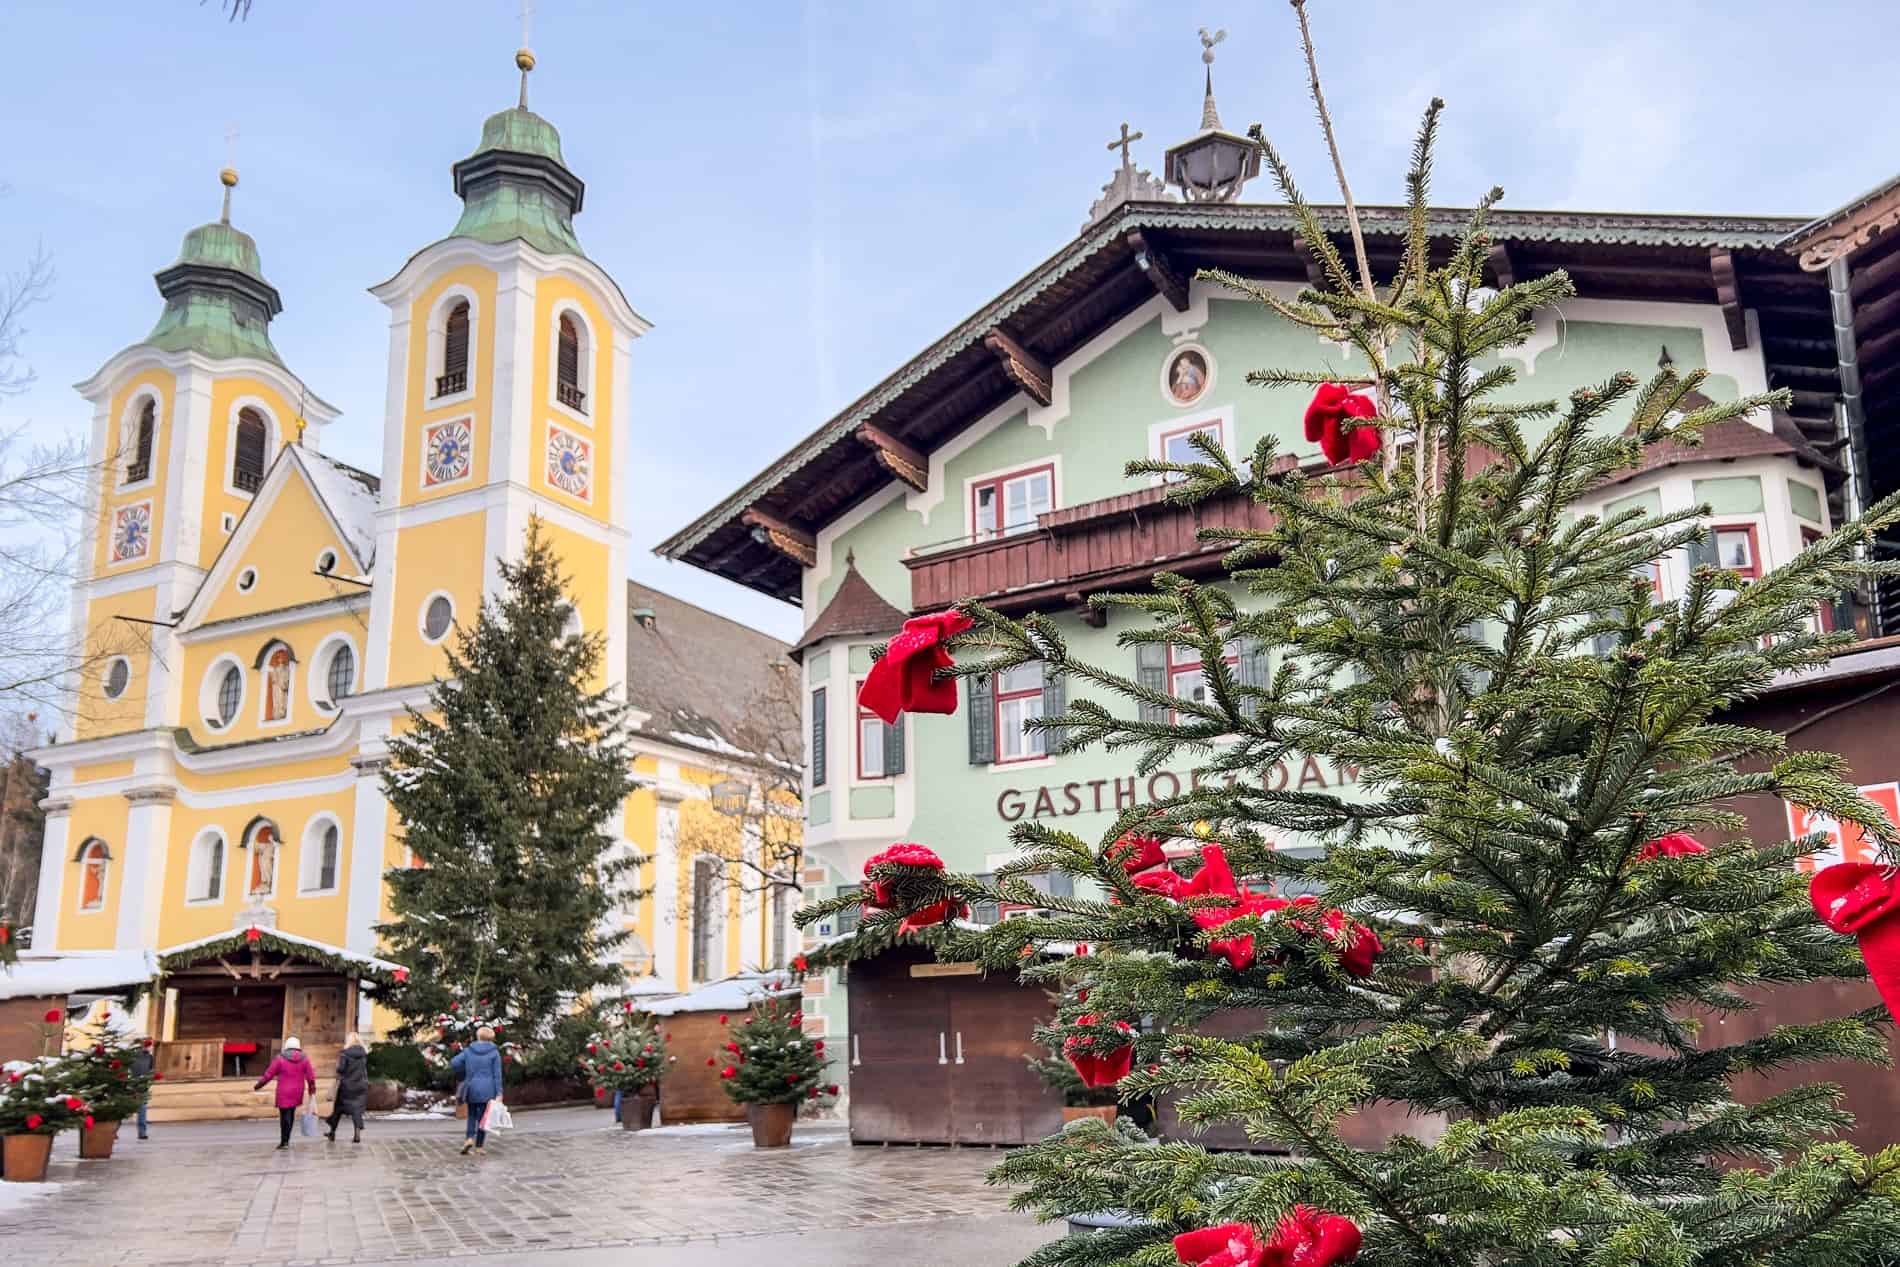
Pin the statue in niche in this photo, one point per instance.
(277, 685)
(263, 860)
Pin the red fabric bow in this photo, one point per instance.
(1099, 1068)
(1861, 898)
(1315, 1238)
(904, 678)
(903, 855)
(1162, 881)
(1229, 1245)
(1331, 404)
(935, 913)
(1136, 853)
(1677, 844)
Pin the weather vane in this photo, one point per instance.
(1126, 139)
(1209, 41)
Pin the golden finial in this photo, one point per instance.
(228, 177)
(524, 56)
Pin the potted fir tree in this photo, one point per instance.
(103, 1078)
(38, 1099)
(771, 1068)
(630, 1058)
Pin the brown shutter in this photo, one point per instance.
(569, 369)
(247, 463)
(141, 465)
(454, 353)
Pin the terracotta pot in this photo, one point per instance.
(636, 1111)
(1073, 1113)
(771, 1124)
(383, 1097)
(26, 1157)
(95, 1141)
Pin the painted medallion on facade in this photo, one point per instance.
(446, 450)
(131, 532)
(570, 463)
(1187, 376)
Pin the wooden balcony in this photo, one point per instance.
(1115, 543)
(571, 396)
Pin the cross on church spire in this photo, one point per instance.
(524, 56)
(1126, 139)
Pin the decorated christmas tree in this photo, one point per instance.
(1519, 922)
(768, 1059)
(505, 786)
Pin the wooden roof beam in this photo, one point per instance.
(902, 461)
(794, 543)
(1504, 269)
(1728, 293)
(1159, 270)
(1020, 366)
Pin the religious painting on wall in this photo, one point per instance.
(570, 463)
(131, 532)
(447, 447)
(277, 684)
(1187, 376)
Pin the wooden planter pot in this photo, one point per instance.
(636, 1111)
(95, 1141)
(1072, 1113)
(771, 1124)
(26, 1157)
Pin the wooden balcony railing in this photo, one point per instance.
(1108, 544)
(449, 384)
(571, 396)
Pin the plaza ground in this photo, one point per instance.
(566, 1187)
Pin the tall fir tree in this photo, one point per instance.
(1513, 931)
(504, 786)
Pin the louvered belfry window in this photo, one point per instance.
(140, 466)
(247, 462)
(567, 386)
(454, 376)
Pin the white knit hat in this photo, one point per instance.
(292, 1044)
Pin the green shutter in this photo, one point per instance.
(1055, 702)
(894, 747)
(818, 737)
(1251, 670)
(1151, 671)
(982, 719)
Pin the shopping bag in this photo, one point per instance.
(500, 1119)
(309, 1123)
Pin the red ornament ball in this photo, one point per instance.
(728, 1072)
(711, 1061)
(53, 1016)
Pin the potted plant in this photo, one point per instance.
(103, 1077)
(630, 1058)
(772, 1068)
(38, 1099)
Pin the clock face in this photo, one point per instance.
(131, 532)
(446, 452)
(570, 463)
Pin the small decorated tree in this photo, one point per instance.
(103, 1078)
(630, 1059)
(771, 1067)
(1068, 1063)
(457, 1028)
(38, 1099)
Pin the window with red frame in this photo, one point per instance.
(1019, 698)
(1008, 504)
(880, 747)
(1737, 549)
(1187, 677)
(1177, 445)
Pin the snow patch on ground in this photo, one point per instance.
(17, 1197)
(407, 1116)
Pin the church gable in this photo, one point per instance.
(292, 549)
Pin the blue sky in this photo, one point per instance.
(800, 195)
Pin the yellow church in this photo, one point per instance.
(259, 616)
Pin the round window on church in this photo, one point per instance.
(118, 677)
(247, 578)
(437, 615)
(326, 562)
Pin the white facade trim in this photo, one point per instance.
(143, 356)
(276, 618)
(452, 252)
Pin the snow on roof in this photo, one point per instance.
(351, 496)
(649, 985)
(734, 994)
(354, 956)
(51, 973)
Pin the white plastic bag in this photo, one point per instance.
(496, 1116)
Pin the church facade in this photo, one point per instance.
(259, 616)
(990, 467)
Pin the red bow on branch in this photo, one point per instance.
(904, 678)
(1304, 1238)
(1677, 844)
(1331, 405)
(1864, 899)
(1099, 1068)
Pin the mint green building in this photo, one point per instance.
(990, 466)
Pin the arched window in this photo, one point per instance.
(247, 456)
(140, 467)
(262, 840)
(709, 925)
(94, 857)
(322, 843)
(340, 675)
(204, 879)
(454, 375)
(567, 383)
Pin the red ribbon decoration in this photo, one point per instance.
(1304, 1238)
(904, 678)
(1097, 1068)
(1862, 898)
(1332, 403)
(1677, 844)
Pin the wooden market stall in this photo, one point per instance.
(692, 1091)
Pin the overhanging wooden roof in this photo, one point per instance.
(1142, 248)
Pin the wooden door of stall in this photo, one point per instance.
(314, 1013)
(995, 1097)
(900, 1062)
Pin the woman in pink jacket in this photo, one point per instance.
(295, 1080)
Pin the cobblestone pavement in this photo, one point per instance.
(568, 1180)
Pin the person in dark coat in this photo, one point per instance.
(352, 1088)
(295, 1081)
(142, 1068)
(479, 1068)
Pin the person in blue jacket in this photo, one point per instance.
(478, 1066)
